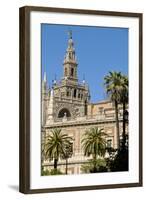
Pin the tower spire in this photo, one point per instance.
(83, 78)
(70, 34)
(50, 107)
(44, 97)
(45, 77)
(44, 83)
(70, 63)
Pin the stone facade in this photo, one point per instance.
(67, 106)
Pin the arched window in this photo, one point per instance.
(75, 92)
(65, 71)
(72, 71)
(67, 93)
(86, 108)
(69, 55)
(64, 113)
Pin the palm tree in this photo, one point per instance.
(55, 147)
(124, 101)
(94, 143)
(113, 89)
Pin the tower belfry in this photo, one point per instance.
(70, 63)
(68, 97)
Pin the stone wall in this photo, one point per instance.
(76, 131)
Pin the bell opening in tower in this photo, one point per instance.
(72, 72)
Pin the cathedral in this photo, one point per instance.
(67, 106)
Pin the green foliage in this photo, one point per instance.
(55, 172)
(120, 162)
(124, 89)
(93, 142)
(94, 166)
(117, 89)
(56, 145)
(45, 173)
(51, 172)
(113, 82)
(117, 161)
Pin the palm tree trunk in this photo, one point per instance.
(117, 124)
(55, 163)
(94, 160)
(66, 168)
(124, 126)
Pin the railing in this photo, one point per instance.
(99, 117)
(76, 158)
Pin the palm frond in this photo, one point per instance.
(55, 144)
(93, 142)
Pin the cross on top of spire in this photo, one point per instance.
(70, 34)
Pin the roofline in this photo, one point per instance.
(101, 102)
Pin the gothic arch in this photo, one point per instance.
(64, 112)
(72, 71)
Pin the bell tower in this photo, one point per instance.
(70, 63)
(69, 98)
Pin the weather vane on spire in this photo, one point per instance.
(70, 34)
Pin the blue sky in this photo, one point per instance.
(98, 50)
